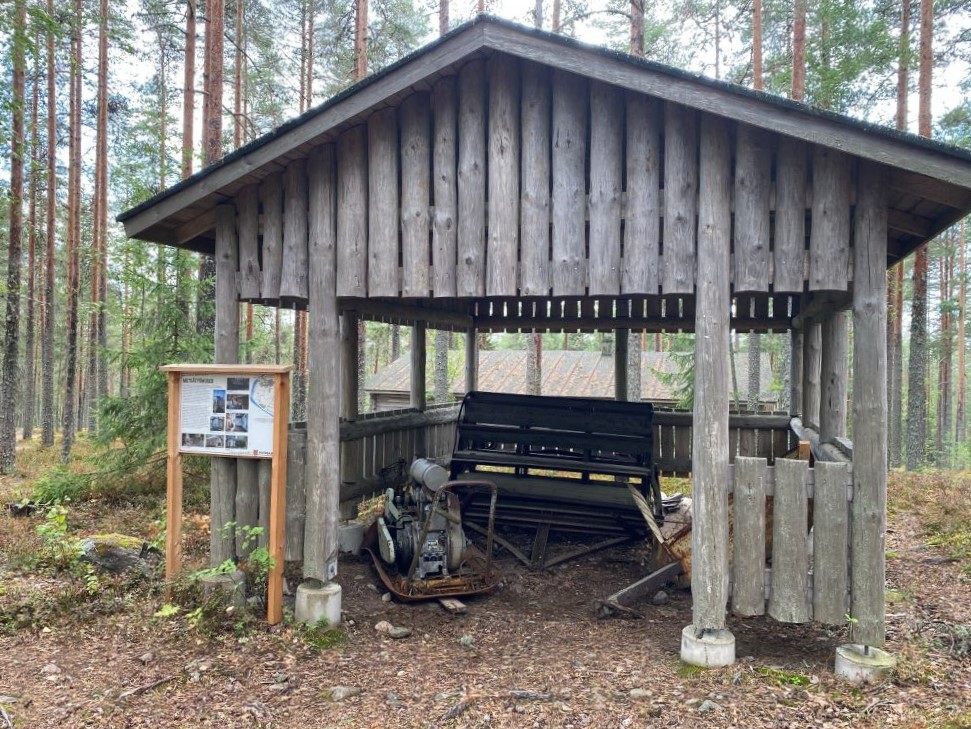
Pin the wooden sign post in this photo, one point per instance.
(229, 411)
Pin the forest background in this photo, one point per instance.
(105, 104)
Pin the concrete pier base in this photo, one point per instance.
(860, 664)
(233, 585)
(712, 649)
(318, 601)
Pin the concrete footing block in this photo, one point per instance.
(862, 664)
(232, 584)
(350, 537)
(708, 648)
(318, 601)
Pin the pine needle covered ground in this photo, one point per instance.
(112, 652)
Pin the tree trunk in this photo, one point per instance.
(188, 88)
(68, 423)
(47, 338)
(960, 416)
(754, 370)
(637, 28)
(534, 364)
(30, 369)
(11, 333)
(895, 276)
(799, 51)
(443, 16)
(441, 366)
(757, 82)
(360, 39)
(213, 82)
(555, 24)
(917, 380)
(238, 51)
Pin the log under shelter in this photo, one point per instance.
(507, 179)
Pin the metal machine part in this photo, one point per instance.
(416, 533)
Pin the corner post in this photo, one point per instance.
(621, 353)
(706, 642)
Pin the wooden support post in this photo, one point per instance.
(833, 377)
(278, 498)
(471, 360)
(350, 456)
(223, 470)
(621, 353)
(795, 372)
(323, 479)
(418, 359)
(247, 502)
(811, 356)
(173, 497)
(868, 516)
(709, 538)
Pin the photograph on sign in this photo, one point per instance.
(226, 416)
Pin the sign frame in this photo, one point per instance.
(276, 539)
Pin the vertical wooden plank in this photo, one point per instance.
(173, 479)
(445, 187)
(248, 203)
(418, 360)
(472, 180)
(680, 197)
(223, 470)
(830, 543)
(709, 539)
(790, 216)
(247, 503)
(271, 200)
(278, 498)
(811, 361)
(868, 514)
(795, 372)
(748, 593)
(263, 468)
(296, 495)
(606, 170)
(349, 389)
(642, 225)
(535, 245)
(569, 144)
(415, 194)
(352, 212)
(382, 203)
(753, 160)
(833, 377)
(788, 601)
(293, 280)
(471, 360)
(503, 242)
(829, 238)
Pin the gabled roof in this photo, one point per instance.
(566, 373)
(930, 182)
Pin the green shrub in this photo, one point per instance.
(60, 484)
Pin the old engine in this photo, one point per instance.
(419, 532)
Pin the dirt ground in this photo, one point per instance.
(534, 654)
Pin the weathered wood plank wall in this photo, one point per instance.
(510, 179)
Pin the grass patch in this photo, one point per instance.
(941, 500)
(783, 678)
(321, 636)
(689, 670)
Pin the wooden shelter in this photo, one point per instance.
(503, 178)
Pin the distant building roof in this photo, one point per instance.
(566, 373)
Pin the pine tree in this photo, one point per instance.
(30, 345)
(11, 335)
(47, 338)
